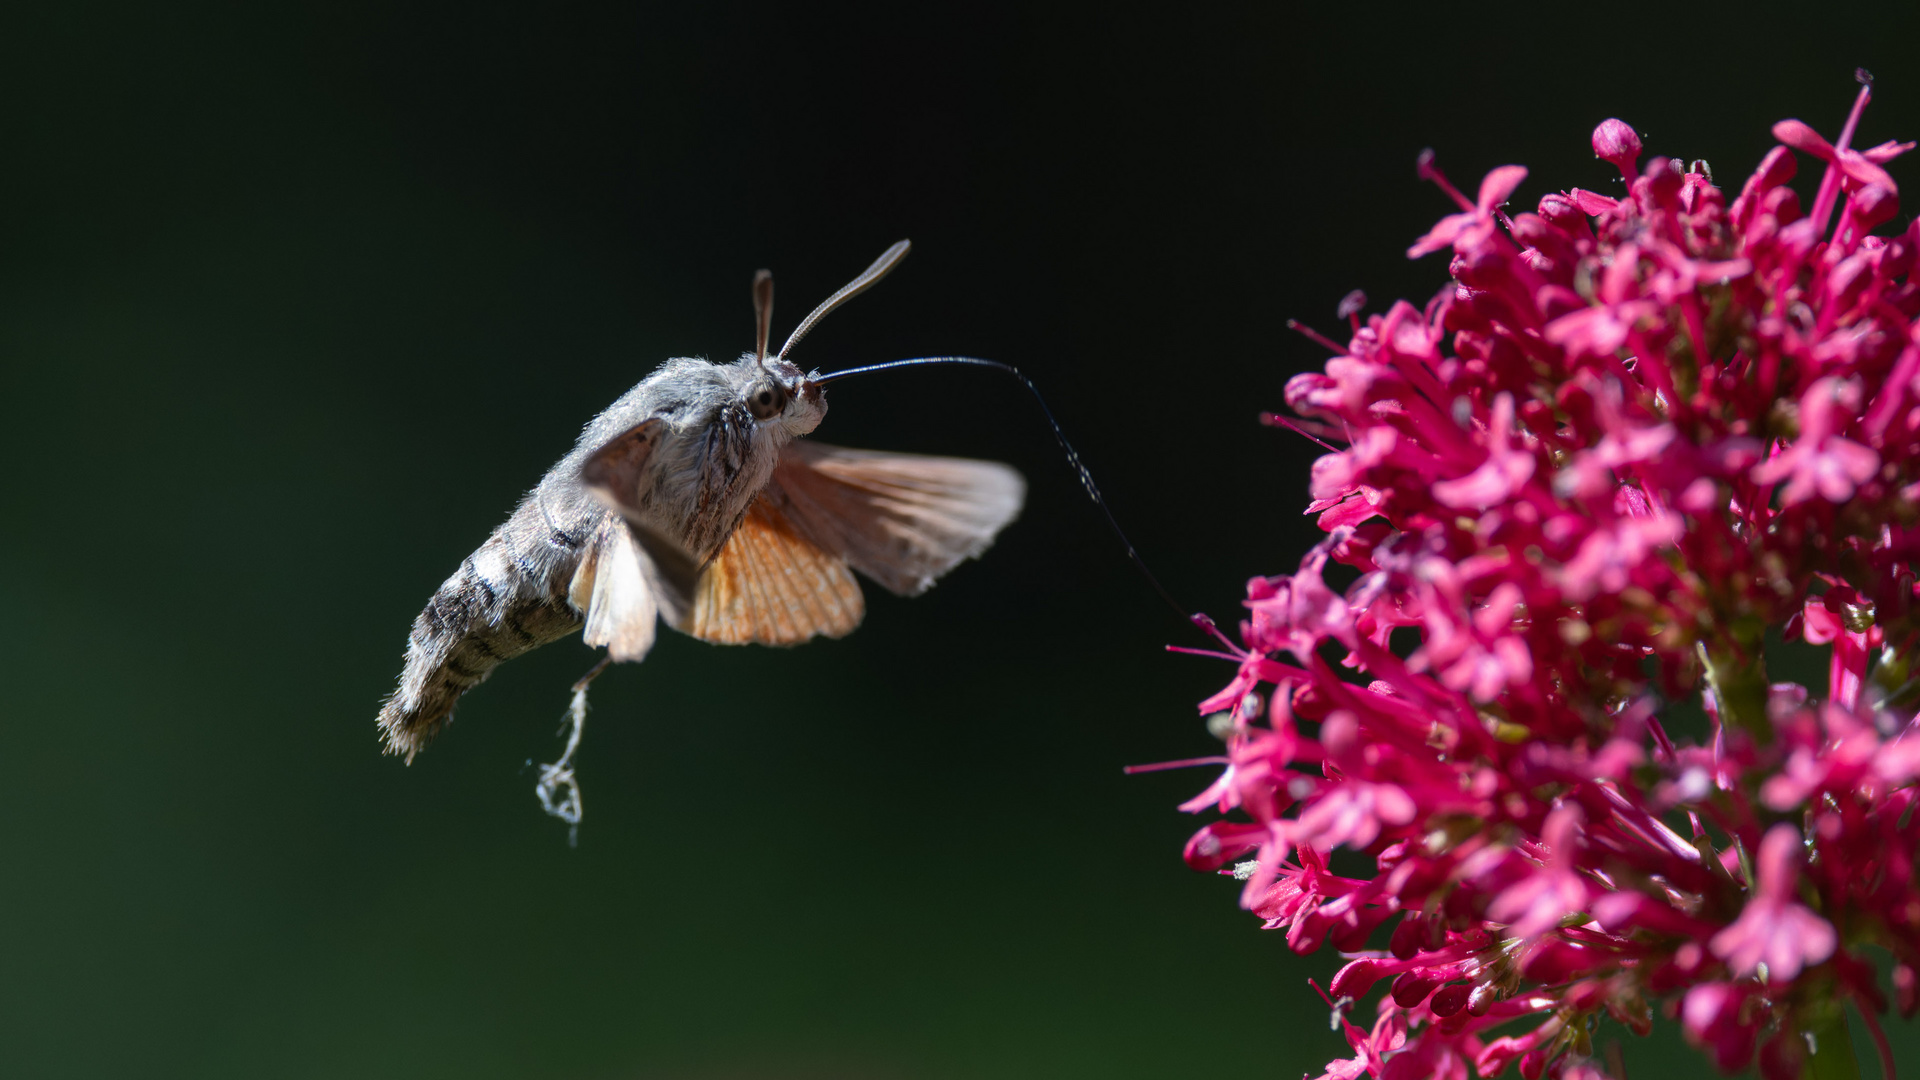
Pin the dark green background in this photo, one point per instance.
(294, 302)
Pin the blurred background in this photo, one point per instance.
(296, 300)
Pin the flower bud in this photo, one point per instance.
(1555, 961)
(1356, 978)
(1615, 142)
(1220, 842)
(1564, 213)
(1775, 169)
(1898, 261)
(1784, 204)
(1871, 206)
(1412, 987)
(1663, 181)
(1797, 240)
(1449, 1000)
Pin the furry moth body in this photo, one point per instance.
(692, 501)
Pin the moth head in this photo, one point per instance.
(775, 392)
(772, 389)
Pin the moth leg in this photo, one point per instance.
(580, 686)
(559, 789)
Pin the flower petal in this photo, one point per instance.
(1498, 185)
(1803, 138)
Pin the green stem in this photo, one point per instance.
(1738, 676)
(1831, 1055)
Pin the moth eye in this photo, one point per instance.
(767, 402)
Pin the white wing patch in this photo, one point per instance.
(611, 587)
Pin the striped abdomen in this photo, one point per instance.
(501, 603)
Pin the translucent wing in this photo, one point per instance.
(771, 585)
(901, 519)
(611, 587)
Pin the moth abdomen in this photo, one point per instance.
(494, 608)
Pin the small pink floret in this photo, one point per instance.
(1773, 929)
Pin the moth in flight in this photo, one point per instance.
(694, 500)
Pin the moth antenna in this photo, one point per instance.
(1059, 436)
(883, 265)
(762, 313)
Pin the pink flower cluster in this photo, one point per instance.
(1631, 436)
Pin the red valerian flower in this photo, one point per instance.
(1636, 444)
(1774, 935)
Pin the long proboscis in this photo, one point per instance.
(882, 266)
(1073, 456)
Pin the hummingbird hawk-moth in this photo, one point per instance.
(694, 500)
